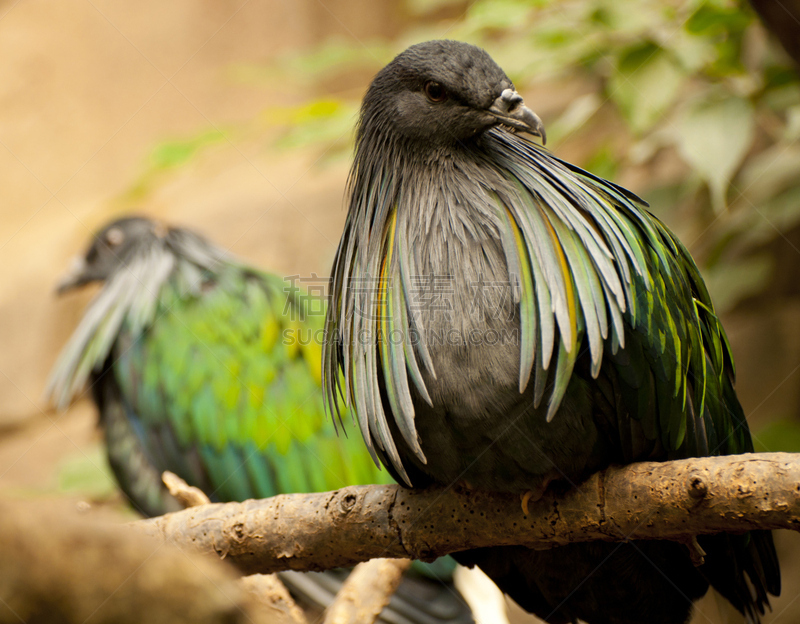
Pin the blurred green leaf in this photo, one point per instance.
(783, 97)
(692, 51)
(627, 19)
(421, 7)
(645, 84)
(713, 138)
(307, 67)
(313, 111)
(776, 76)
(87, 474)
(500, 14)
(603, 163)
(326, 122)
(792, 131)
(772, 218)
(723, 25)
(717, 19)
(574, 117)
(770, 173)
(732, 280)
(174, 153)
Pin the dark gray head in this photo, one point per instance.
(443, 92)
(110, 251)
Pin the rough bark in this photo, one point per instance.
(59, 565)
(366, 591)
(273, 598)
(266, 590)
(187, 495)
(672, 500)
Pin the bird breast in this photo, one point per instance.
(461, 297)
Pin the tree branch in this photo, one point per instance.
(366, 591)
(671, 500)
(266, 590)
(187, 495)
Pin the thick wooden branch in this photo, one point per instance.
(266, 590)
(671, 500)
(61, 565)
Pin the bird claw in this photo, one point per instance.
(525, 498)
(537, 493)
(532, 495)
(696, 552)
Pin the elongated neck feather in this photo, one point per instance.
(445, 199)
(130, 299)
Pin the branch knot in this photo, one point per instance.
(698, 488)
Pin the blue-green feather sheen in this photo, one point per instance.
(594, 267)
(222, 366)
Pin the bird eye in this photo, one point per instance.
(114, 237)
(435, 92)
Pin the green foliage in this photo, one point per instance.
(644, 84)
(696, 80)
(714, 135)
(694, 84)
(174, 153)
(326, 121)
(309, 67)
(738, 278)
(87, 474)
(171, 155)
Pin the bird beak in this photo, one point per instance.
(510, 110)
(74, 277)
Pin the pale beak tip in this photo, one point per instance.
(73, 277)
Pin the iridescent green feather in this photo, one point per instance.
(256, 414)
(670, 327)
(220, 366)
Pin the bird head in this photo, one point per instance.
(444, 92)
(110, 251)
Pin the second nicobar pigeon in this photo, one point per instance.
(209, 368)
(502, 319)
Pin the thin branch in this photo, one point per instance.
(670, 500)
(366, 591)
(272, 597)
(187, 495)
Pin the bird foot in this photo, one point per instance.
(531, 495)
(536, 494)
(696, 552)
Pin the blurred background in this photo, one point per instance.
(236, 117)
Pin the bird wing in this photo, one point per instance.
(603, 256)
(611, 278)
(226, 386)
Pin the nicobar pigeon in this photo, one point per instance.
(210, 368)
(502, 319)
